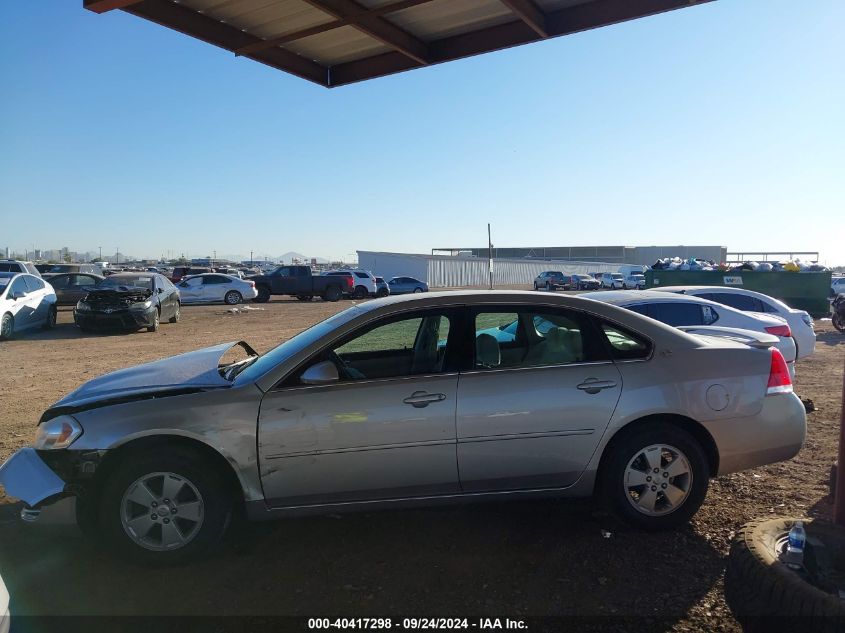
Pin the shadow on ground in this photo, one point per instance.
(518, 559)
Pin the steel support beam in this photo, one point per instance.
(101, 6)
(530, 14)
(376, 27)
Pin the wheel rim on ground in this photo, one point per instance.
(178, 312)
(658, 480)
(6, 326)
(233, 297)
(161, 511)
(417, 289)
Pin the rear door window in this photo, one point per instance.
(678, 313)
(738, 301)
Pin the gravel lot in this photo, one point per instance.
(520, 559)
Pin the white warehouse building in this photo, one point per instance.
(445, 271)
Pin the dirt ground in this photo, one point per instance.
(519, 559)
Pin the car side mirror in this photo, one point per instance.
(16, 295)
(160, 290)
(323, 373)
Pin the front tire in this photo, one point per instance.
(838, 322)
(263, 294)
(163, 508)
(156, 322)
(233, 297)
(7, 327)
(654, 476)
(332, 294)
(177, 315)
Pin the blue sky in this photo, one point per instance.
(717, 124)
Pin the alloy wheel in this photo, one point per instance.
(658, 479)
(162, 511)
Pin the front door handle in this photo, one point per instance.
(593, 385)
(420, 399)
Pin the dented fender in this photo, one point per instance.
(25, 476)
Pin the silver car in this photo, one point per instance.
(412, 400)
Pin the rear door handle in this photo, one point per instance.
(421, 399)
(592, 385)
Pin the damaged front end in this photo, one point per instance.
(123, 307)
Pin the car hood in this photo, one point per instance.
(190, 371)
(132, 293)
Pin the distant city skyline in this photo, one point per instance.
(719, 123)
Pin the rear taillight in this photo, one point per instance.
(779, 330)
(350, 282)
(779, 379)
(251, 283)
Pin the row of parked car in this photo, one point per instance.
(135, 300)
(556, 280)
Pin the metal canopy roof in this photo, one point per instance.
(337, 42)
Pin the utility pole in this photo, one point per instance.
(250, 259)
(101, 252)
(117, 253)
(490, 255)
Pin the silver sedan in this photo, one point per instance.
(415, 400)
(215, 288)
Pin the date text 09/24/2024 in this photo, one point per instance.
(481, 624)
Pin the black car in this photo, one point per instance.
(552, 280)
(71, 287)
(128, 301)
(584, 282)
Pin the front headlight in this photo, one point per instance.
(59, 432)
(81, 306)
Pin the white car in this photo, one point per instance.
(634, 281)
(5, 614)
(26, 302)
(614, 281)
(837, 286)
(214, 288)
(800, 322)
(684, 311)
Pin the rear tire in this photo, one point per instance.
(360, 293)
(548, 286)
(332, 294)
(417, 289)
(838, 322)
(303, 297)
(128, 527)
(669, 495)
(50, 323)
(263, 294)
(233, 298)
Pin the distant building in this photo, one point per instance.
(640, 255)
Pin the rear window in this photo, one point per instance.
(10, 267)
(362, 275)
(625, 344)
(33, 283)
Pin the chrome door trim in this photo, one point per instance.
(471, 372)
(366, 381)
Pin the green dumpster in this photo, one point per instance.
(804, 291)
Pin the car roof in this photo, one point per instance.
(727, 289)
(619, 297)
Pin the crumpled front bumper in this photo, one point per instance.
(25, 476)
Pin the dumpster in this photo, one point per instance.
(804, 291)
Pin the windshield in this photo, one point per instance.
(264, 363)
(616, 275)
(127, 281)
(62, 268)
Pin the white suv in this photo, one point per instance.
(363, 282)
(614, 281)
(15, 266)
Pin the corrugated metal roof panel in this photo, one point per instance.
(337, 46)
(262, 18)
(444, 18)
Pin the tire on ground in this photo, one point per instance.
(765, 595)
(333, 293)
(623, 448)
(263, 294)
(217, 503)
